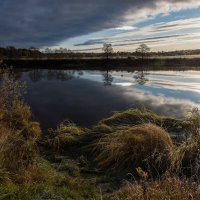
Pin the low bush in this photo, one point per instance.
(16, 153)
(18, 133)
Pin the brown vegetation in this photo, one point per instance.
(18, 133)
(166, 188)
(145, 145)
(65, 135)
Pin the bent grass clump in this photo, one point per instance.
(102, 128)
(65, 135)
(146, 145)
(132, 117)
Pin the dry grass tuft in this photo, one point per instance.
(167, 188)
(103, 128)
(132, 117)
(65, 135)
(186, 158)
(144, 145)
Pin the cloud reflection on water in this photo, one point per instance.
(88, 96)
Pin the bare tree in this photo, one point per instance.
(142, 50)
(108, 49)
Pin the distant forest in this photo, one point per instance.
(12, 52)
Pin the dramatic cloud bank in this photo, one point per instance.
(41, 23)
(156, 34)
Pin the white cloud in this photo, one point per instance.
(153, 8)
(163, 27)
(161, 104)
(126, 28)
(164, 35)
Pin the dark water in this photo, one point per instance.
(86, 97)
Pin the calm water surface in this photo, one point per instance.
(85, 97)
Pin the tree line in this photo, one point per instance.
(107, 51)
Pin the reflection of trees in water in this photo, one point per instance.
(107, 78)
(63, 75)
(50, 75)
(80, 73)
(36, 75)
(140, 77)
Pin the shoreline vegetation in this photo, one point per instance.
(142, 58)
(108, 64)
(133, 154)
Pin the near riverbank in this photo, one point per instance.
(134, 154)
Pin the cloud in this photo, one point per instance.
(92, 42)
(126, 28)
(48, 22)
(151, 35)
(161, 104)
(128, 41)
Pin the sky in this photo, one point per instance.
(85, 25)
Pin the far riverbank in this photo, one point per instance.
(101, 63)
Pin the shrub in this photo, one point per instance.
(18, 133)
(16, 153)
(144, 145)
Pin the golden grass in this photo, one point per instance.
(65, 135)
(186, 158)
(138, 146)
(168, 188)
(132, 117)
(194, 119)
(103, 128)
